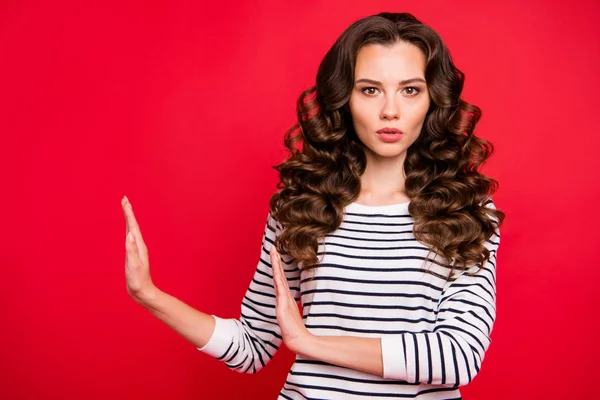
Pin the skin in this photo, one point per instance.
(373, 106)
(137, 266)
(388, 104)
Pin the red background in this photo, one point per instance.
(182, 107)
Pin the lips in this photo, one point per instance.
(389, 135)
(390, 131)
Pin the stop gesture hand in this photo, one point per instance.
(137, 267)
(293, 331)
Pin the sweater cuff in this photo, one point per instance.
(394, 357)
(221, 338)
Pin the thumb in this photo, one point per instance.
(132, 249)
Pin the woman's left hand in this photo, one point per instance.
(293, 331)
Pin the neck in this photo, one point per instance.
(383, 180)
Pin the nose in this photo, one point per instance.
(391, 107)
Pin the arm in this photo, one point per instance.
(195, 326)
(450, 355)
(247, 344)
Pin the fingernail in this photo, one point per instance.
(130, 236)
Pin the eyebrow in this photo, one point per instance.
(404, 82)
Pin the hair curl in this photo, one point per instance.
(449, 196)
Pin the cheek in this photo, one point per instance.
(418, 115)
(361, 115)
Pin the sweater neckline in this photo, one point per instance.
(357, 207)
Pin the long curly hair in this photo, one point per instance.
(449, 197)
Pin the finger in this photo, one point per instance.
(132, 223)
(123, 205)
(273, 261)
(132, 255)
(282, 299)
(282, 288)
(130, 216)
(135, 229)
(284, 278)
(276, 285)
(276, 271)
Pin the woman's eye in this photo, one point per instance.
(412, 91)
(369, 90)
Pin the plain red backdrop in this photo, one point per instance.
(182, 107)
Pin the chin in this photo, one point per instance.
(388, 151)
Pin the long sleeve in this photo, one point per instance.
(452, 353)
(247, 344)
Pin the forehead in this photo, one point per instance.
(395, 62)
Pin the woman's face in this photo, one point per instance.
(389, 92)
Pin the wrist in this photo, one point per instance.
(147, 296)
(308, 345)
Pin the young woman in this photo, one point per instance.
(383, 228)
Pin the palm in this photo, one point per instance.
(137, 267)
(289, 319)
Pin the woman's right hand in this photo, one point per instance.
(137, 268)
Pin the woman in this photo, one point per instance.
(383, 228)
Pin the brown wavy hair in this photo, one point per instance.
(449, 197)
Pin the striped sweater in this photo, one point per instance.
(374, 280)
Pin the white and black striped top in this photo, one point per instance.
(374, 281)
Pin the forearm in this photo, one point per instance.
(358, 353)
(438, 358)
(194, 326)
